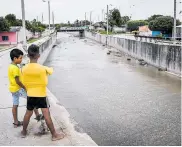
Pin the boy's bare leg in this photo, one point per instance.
(47, 116)
(15, 113)
(26, 120)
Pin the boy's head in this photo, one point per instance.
(33, 52)
(16, 56)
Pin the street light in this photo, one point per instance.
(49, 14)
(90, 19)
(24, 26)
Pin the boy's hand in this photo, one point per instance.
(25, 89)
(49, 70)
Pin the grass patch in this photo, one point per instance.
(32, 40)
(105, 32)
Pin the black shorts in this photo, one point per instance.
(37, 102)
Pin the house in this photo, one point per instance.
(121, 29)
(14, 36)
(145, 31)
(101, 26)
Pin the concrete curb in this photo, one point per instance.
(7, 49)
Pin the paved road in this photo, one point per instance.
(115, 101)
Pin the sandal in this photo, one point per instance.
(20, 123)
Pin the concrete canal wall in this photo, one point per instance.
(165, 56)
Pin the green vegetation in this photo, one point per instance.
(115, 18)
(163, 23)
(11, 20)
(134, 25)
(4, 26)
(105, 32)
(33, 40)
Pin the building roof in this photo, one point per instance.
(179, 26)
(144, 28)
(15, 29)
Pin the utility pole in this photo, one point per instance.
(53, 18)
(174, 29)
(49, 14)
(49, 9)
(42, 18)
(24, 26)
(85, 19)
(37, 21)
(90, 19)
(107, 24)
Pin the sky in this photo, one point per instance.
(70, 10)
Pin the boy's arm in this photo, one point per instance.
(49, 70)
(17, 79)
(16, 74)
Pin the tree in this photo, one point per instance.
(28, 25)
(58, 26)
(115, 18)
(4, 26)
(40, 29)
(85, 22)
(77, 23)
(163, 23)
(153, 17)
(11, 18)
(69, 24)
(18, 22)
(124, 19)
(134, 25)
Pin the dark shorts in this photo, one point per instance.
(37, 102)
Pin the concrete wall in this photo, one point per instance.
(46, 47)
(160, 55)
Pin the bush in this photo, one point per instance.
(135, 24)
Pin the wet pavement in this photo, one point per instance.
(115, 101)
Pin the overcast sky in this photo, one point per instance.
(70, 10)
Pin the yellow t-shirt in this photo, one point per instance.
(13, 71)
(34, 78)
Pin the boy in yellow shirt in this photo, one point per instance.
(15, 85)
(34, 77)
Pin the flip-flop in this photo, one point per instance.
(59, 138)
(20, 123)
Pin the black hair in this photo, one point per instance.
(15, 53)
(33, 51)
